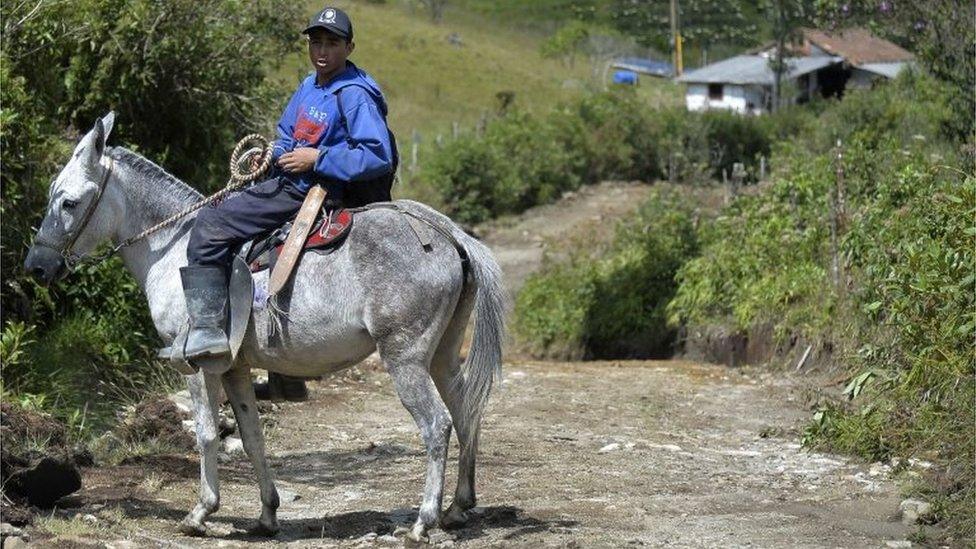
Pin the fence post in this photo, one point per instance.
(762, 168)
(414, 151)
(455, 129)
(482, 123)
(836, 219)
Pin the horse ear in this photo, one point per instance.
(108, 121)
(99, 135)
(97, 144)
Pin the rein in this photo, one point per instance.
(239, 176)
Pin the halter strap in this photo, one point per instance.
(70, 257)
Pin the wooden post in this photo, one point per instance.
(738, 176)
(832, 212)
(837, 219)
(455, 129)
(414, 151)
(762, 168)
(725, 185)
(482, 123)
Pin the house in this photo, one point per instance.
(821, 63)
(744, 83)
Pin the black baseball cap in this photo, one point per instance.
(333, 20)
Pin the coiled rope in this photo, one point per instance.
(241, 173)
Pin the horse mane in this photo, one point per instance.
(167, 192)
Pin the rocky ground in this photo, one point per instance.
(573, 455)
(594, 454)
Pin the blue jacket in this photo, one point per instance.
(312, 119)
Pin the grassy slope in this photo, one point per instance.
(429, 83)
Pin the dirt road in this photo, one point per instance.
(592, 454)
(573, 454)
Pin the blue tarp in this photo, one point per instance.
(645, 66)
(625, 77)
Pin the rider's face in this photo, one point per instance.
(328, 52)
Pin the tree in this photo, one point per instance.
(435, 8)
(788, 17)
(705, 22)
(566, 42)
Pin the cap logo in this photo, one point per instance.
(328, 16)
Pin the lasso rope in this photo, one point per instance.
(240, 174)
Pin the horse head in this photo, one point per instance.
(78, 216)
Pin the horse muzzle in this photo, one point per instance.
(45, 264)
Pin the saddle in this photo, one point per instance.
(328, 233)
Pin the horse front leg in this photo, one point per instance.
(240, 391)
(205, 394)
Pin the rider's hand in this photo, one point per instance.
(299, 160)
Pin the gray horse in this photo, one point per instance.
(382, 290)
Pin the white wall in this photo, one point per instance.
(734, 98)
(861, 78)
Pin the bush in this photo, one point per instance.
(903, 316)
(185, 78)
(614, 306)
(523, 160)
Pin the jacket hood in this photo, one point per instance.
(354, 76)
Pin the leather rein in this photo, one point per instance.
(238, 179)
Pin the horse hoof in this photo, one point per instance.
(263, 529)
(417, 536)
(454, 518)
(190, 527)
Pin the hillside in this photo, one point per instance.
(431, 82)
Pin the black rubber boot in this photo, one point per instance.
(205, 291)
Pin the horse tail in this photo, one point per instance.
(483, 366)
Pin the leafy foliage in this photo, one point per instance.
(523, 160)
(903, 315)
(612, 306)
(185, 79)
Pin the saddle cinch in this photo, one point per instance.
(326, 235)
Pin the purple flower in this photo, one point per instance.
(886, 6)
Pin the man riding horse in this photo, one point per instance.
(333, 133)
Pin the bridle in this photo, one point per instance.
(72, 259)
(239, 176)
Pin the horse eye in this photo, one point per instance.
(68, 204)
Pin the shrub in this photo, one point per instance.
(613, 306)
(185, 79)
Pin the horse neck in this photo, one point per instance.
(149, 195)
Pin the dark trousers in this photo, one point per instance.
(219, 230)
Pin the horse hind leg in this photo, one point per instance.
(411, 378)
(445, 369)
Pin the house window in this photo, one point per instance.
(715, 92)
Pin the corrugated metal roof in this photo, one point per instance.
(753, 69)
(888, 70)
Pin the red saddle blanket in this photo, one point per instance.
(327, 233)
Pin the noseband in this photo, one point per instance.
(239, 176)
(72, 259)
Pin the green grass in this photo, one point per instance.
(430, 83)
